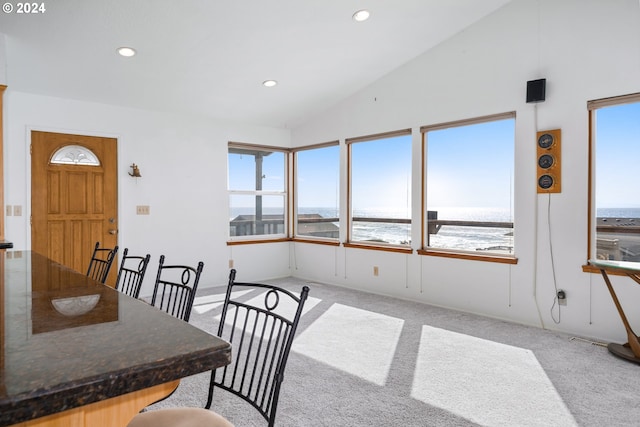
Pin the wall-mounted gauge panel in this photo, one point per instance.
(548, 161)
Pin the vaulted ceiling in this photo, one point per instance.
(210, 57)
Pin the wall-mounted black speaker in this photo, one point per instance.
(536, 90)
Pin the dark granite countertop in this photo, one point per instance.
(67, 341)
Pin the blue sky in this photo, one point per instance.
(319, 177)
(242, 175)
(471, 166)
(617, 154)
(381, 175)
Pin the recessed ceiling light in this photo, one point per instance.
(126, 51)
(269, 83)
(361, 15)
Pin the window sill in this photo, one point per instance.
(316, 241)
(588, 268)
(504, 259)
(389, 248)
(254, 241)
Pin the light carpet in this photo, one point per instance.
(367, 360)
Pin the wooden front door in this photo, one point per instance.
(73, 198)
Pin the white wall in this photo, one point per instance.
(586, 50)
(184, 177)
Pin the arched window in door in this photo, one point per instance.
(75, 155)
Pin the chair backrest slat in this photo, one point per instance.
(261, 332)
(256, 362)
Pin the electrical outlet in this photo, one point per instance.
(230, 263)
(375, 270)
(142, 210)
(17, 210)
(9, 210)
(562, 297)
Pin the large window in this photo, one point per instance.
(380, 189)
(615, 204)
(317, 191)
(469, 185)
(257, 191)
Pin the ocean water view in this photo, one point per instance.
(458, 237)
(470, 238)
(618, 213)
(473, 238)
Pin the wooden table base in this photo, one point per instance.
(624, 351)
(631, 350)
(117, 411)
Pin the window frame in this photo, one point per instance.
(286, 194)
(424, 221)
(72, 155)
(350, 243)
(592, 107)
(294, 196)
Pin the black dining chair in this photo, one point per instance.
(100, 263)
(175, 288)
(261, 332)
(131, 273)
